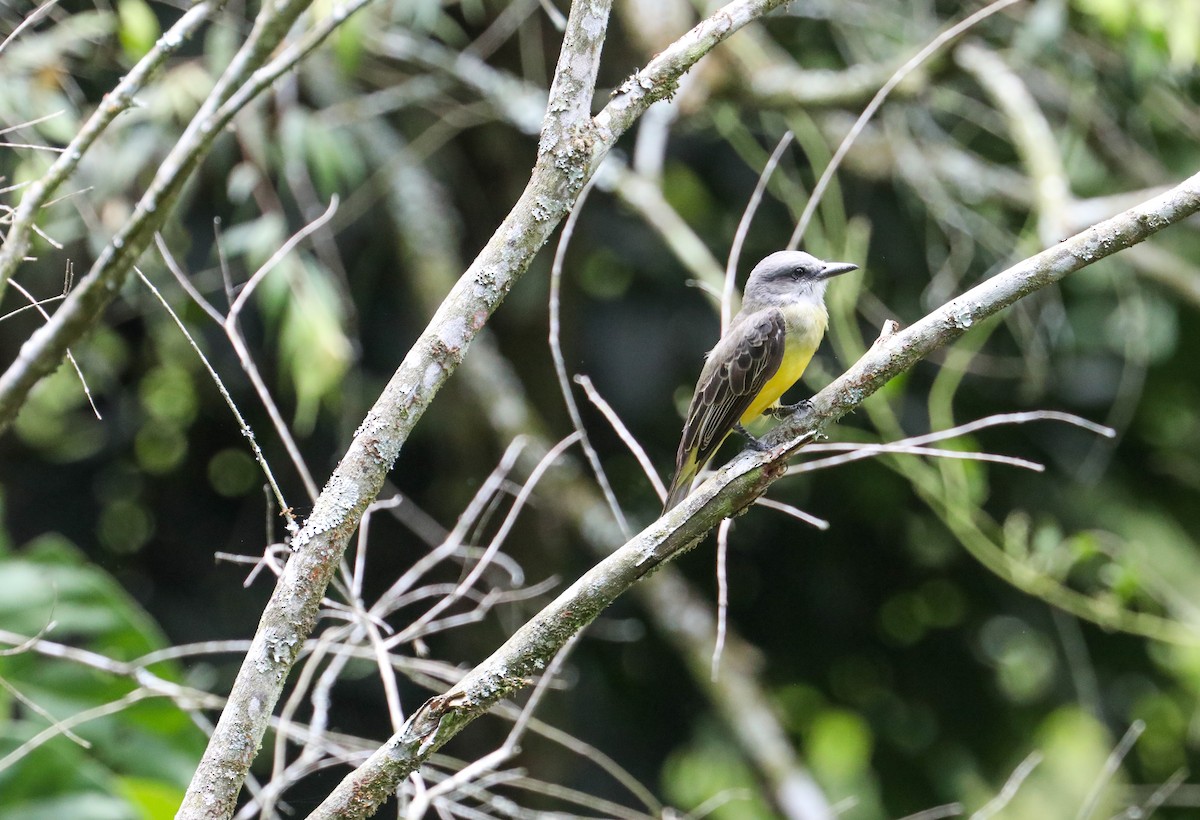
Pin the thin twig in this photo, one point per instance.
(248, 288)
(898, 77)
(743, 228)
(794, 512)
(77, 719)
(856, 452)
(1157, 799)
(54, 722)
(497, 540)
(37, 305)
(722, 596)
(560, 363)
(915, 444)
(623, 433)
(237, 341)
(33, 122)
(1111, 765)
(30, 19)
(1011, 786)
(243, 425)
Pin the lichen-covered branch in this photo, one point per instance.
(45, 348)
(900, 351)
(17, 240)
(659, 79)
(729, 492)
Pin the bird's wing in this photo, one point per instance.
(738, 368)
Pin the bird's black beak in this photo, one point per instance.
(833, 269)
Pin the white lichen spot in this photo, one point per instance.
(1155, 221)
(277, 652)
(433, 372)
(373, 424)
(1088, 249)
(335, 502)
(549, 136)
(593, 25)
(485, 282)
(454, 333)
(581, 64)
(960, 317)
(539, 212)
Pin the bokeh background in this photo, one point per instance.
(955, 618)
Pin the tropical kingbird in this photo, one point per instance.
(763, 353)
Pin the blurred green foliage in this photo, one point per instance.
(138, 759)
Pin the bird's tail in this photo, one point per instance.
(681, 484)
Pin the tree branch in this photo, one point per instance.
(729, 492)
(17, 240)
(44, 350)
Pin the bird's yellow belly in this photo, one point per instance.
(804, 336)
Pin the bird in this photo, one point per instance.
(764, 352)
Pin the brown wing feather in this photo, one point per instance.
(725, 393)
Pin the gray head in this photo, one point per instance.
(789, 276)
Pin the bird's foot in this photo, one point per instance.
(755, 444)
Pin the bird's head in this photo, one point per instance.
(785, 276)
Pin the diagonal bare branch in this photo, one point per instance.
(731, 490)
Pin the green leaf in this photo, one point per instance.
(1114, 16)
(139, 757)
(137, 28)
(154, 799)
(313, 343)
(709, 767)
(839, 745)
(232, 472)
(348, 42)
